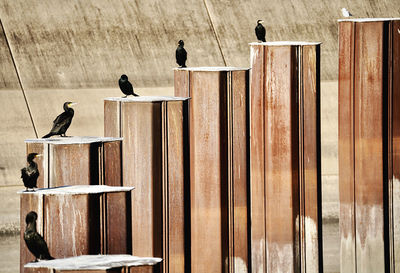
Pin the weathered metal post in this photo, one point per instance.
(218, 166)
(369, 144)
(154, 158)
(77, 161)
(285, 160)
(78, 220)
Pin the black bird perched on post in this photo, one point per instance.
(181, 54)
(34, 241)
(62, 121)
(30, 174)
(125, 86)
(260, 31)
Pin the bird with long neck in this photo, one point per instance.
(181, 54)
(34, 241)
(30, 173)
(260, 31)
(62, 121)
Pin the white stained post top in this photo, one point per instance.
(78, 189)
(72, 140)
(147, 99)
(212, 68)
(286, 43)
(94, 262)
(367, 19)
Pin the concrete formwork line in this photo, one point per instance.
(214, 31)
(19, 79)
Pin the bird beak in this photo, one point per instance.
(72, 103)
(39, 155)
(262, 22)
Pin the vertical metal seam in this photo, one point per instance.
(390, 149)
(47, 162)
(302, 212)
(120, 118)
(19, 80)
(352, 94)
(231, 171)
(164, 126)
(214, 31)
(264, 87)
(105, 223)
(167, 181)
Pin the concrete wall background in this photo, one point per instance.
(76, 51)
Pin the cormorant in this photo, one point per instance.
(30, 174)
(260, 31)
(346, 13)
(34, 241)
(181, 54)
(62, 121)
(125, 86)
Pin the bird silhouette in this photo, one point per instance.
(181, 54)
(31, 173)
(125, 86)
(260, 31)
(62, 121)
(346, 13)
(34, 241)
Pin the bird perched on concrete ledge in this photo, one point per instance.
(346, 13)
(34, 241)
(125, 86)
(62, 121)
(260, 31)
(181, 54)
(30, 174)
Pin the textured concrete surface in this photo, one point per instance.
(67, 44)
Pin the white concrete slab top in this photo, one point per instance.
(212, 68)
(72, 140)
(286, 43)
(146, 99)
(78, 189)
(94, 262)
(367, 19)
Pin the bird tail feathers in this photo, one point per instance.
(47, 136)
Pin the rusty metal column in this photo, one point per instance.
(76, 220)
(285, 160)
(369, 144)
(218, 166)
(154, 157)
(77, 161)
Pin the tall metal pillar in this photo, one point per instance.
(218, 166)
(369, 146)
(285, 157)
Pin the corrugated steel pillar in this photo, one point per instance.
(154, 157)
(77, 161)
(369, 146)
(218, 166)
(78, 220)
(285, 158)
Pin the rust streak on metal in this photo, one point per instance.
(289, 168)
(218, 167)
(368, 121)
(158, 202)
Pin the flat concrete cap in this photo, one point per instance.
(287, 43)
(94, 262)
(76, 190)
(147, 99)
(367, 19)
(212, 68)
(73, 140)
